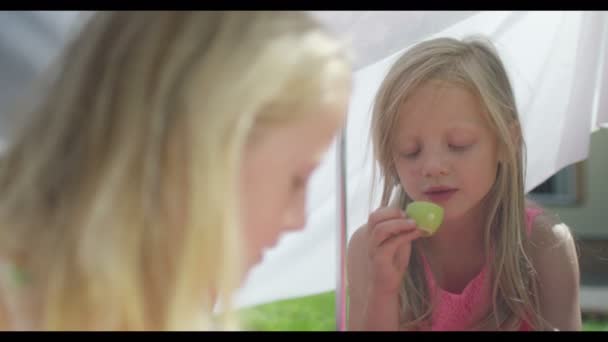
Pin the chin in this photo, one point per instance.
(452, 214)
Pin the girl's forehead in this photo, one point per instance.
(441, 102)
(438, 107)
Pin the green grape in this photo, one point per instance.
(428, 216)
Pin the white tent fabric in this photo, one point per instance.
(557, 62)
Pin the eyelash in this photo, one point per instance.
(411, 155)
(455, 148)
(460, 148)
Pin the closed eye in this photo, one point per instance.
(460, 148)
(299, 183)
(409, 155)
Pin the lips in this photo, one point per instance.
(440, 194)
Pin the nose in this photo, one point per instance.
(434, 165)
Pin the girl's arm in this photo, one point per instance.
(367, 311)
(554, 257)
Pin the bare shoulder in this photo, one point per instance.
(553, 253)
(551, 235)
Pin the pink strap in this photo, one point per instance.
(531, 214)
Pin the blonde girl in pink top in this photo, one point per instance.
(445, 129)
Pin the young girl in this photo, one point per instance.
(171, 149)
(445, 129)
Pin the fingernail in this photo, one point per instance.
(410, 221)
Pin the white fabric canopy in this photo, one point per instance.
(556, 60)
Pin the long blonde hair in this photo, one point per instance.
(473, 64)
(120, 193)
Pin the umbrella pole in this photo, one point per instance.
(341, 233)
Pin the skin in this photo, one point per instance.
(276, 171)
(442, 139)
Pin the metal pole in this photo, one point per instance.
(341, 233)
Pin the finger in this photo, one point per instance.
(386, 231)
(390, 248)
(390, 228)
(403, 257)
(383, 214)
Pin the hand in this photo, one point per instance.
(389, 237)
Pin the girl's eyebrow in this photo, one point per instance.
(466, 130)
(468, 127)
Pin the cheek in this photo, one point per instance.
(490, 175)
(263, 206)
(407, 176)
(479, 171)
(260, 203)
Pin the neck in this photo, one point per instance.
(458, 236)
(456, 252)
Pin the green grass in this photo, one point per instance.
(311, 313)
(595, 325)
(317, 313)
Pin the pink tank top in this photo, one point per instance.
(456, 311)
